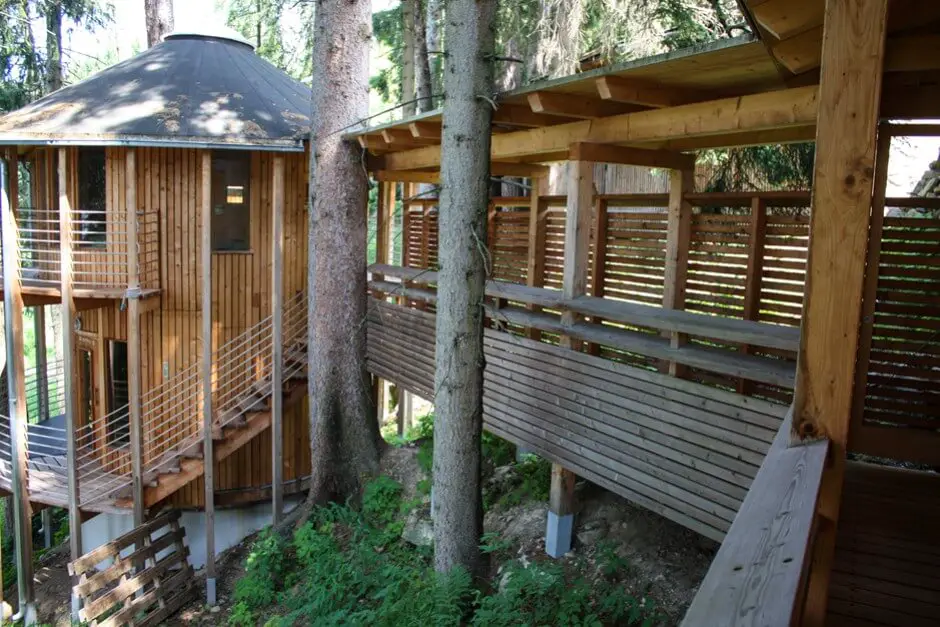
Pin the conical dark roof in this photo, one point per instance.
(187, 90)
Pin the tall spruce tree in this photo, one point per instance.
(458, 384)
(344, 437)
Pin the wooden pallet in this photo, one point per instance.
(144, 587)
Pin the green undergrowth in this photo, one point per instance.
(350, 567)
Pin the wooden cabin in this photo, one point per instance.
(161, 205)
(758, 367)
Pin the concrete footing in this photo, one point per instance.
(210, 592)
(558, 534)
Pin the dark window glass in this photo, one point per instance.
(231, 219)
(92, 227)
(118, 427)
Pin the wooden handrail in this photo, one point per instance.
(759, 574)
(730, 330)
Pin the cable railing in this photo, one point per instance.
(100, 244)
(171, 415)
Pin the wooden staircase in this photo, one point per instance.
(231, 430)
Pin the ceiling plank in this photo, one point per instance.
(721, 120)
(912, 53)
(645, 93)
(573, 106)
(787, 18)
(628, 155)
(373, 142)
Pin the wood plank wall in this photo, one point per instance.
(169, 194)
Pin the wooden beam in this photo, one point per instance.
(850, 92)
(497, 168)
(133, 339)
(277, 340)
(646, 93)
(800, 53)
(426, 130)
(16, 395)
(205, 211)
(786, 18)
(628, 155)
(398, 137)
(719, 120)
(575, 106)
(373, 142)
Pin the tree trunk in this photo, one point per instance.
(159, 16)
(53, 45)
(422, 62)
(435, 45)
(344, 436)
(465, 168)
(409, 107)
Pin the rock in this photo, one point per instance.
(215, 609)
(418, 530)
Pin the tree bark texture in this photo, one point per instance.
(464, 261)
(53, 45)
(422, 62)
(344, 436)
(409, 106)
(159, 16)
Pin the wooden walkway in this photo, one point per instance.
(48, 484)
(887, 565)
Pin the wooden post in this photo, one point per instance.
(383, 227)
(277, 341)
(70, 368)
(598, 265)
(42, 364)
(133, 338)
(867, 320)
(754, 274)
(208, 452)
(578, 220)
(678, 236)
(535, 272)
(849, 100)
(16, 390)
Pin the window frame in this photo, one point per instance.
(230, 169)
(83, 238)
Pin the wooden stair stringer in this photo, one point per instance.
(232, 439)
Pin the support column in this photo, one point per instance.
(849, 100)
(578, 218)
(42, 365)
(385, 203)
(205, 211)
(133, 339)
(16, 389)
(69, 367)
(277, 341)
(678, 235)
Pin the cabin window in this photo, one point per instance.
(231, 215)
(92, 227)
(118, 427)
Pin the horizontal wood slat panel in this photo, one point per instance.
(681, 449)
